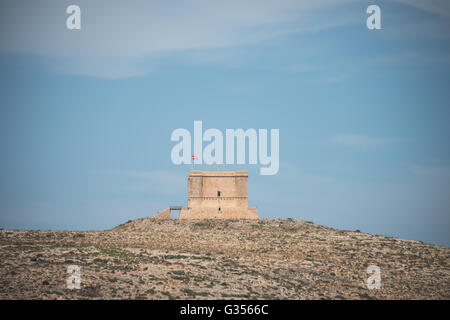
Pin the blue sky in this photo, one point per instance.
(86, 115)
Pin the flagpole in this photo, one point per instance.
(193, 158)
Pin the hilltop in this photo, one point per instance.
(219, 259)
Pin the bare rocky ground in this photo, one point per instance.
(213, 259)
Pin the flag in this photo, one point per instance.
(194, 157)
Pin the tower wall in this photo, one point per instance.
(218, 194)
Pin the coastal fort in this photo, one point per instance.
(215, 195)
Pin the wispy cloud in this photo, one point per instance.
(116, 36)
(156, 182)
(438, 7)
(360, 141)
(441, 172)
(336, 78)
(300, 68)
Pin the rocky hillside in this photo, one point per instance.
(235, 259)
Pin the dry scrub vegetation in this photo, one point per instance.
(219, 259)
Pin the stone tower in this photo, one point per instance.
(216, 195)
